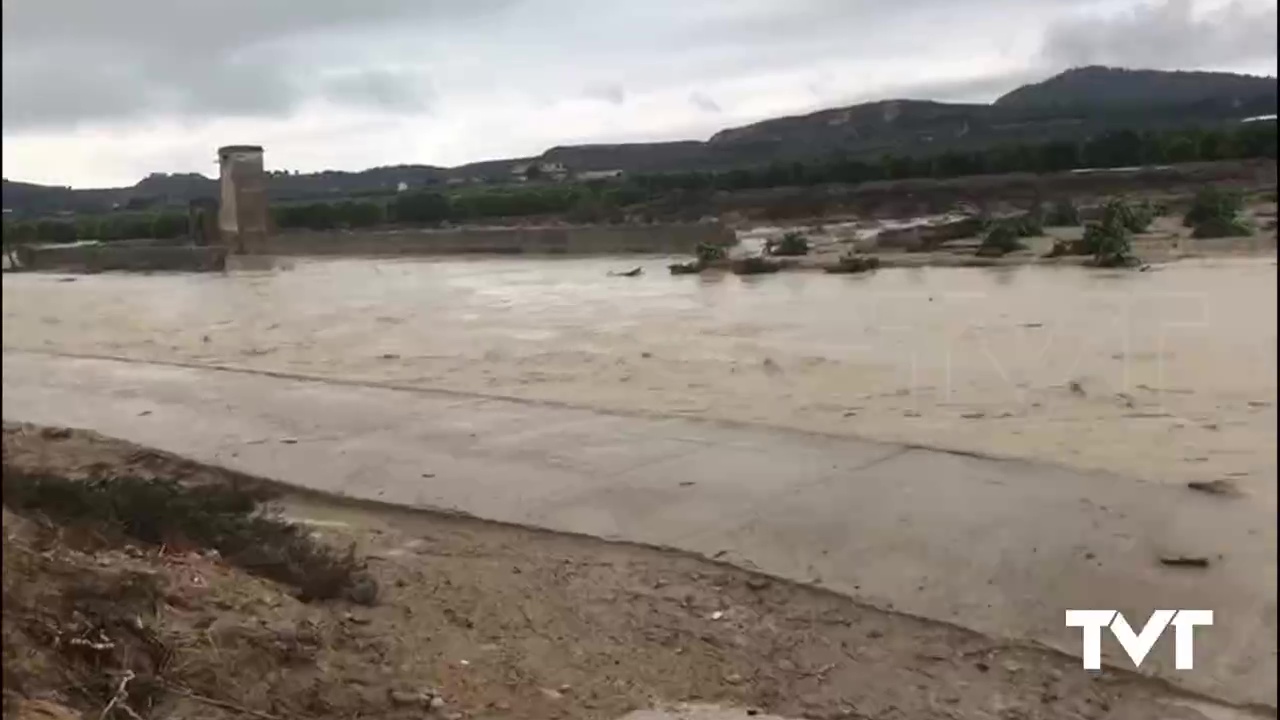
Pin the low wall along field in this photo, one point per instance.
(133, 257)
(575, 240)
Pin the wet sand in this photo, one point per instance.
(1166, 376)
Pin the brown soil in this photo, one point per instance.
(474, 619)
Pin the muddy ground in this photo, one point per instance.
(479, 620)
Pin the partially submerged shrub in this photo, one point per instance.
(708, 253)
(1212, 203)
(789, 245)
(1135, 218)
(224, 517)
(1215, 213)
(1110, 243)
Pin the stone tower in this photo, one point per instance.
(242, 213)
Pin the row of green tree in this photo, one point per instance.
(116, 226)
(604, 202)
(590, 202)
(1124, 148)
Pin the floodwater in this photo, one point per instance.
(1165, 376)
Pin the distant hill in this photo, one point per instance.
(1097, 86)
(1072, 105)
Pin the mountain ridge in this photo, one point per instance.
(1072, 105)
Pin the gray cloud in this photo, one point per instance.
(607, 92)
(703, 102)
(973, 90)
(64, 64)
(1166, 35)
(381, 89)
(73, 62)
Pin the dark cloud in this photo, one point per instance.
(1166, 35)
(67, 63)
(704, 102)
(71, 62)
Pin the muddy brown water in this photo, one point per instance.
(1167, 376)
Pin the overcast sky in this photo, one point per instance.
(101, 93)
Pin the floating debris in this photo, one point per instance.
(1196, 561)
(1214, 487)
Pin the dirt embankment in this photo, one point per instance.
(921, 197)
(471, 619)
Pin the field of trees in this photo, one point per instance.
(602, 201)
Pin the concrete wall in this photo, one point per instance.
(578, 240)
(102, 258)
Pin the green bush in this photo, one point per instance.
(1110, 243)
(1135, 218)
(708, 253)
(1213, 203)
(1215, 213)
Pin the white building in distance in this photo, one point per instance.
(599, 175)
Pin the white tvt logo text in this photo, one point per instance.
(1137, 645)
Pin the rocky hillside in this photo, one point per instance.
(1097, 86)
(1073, 105)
